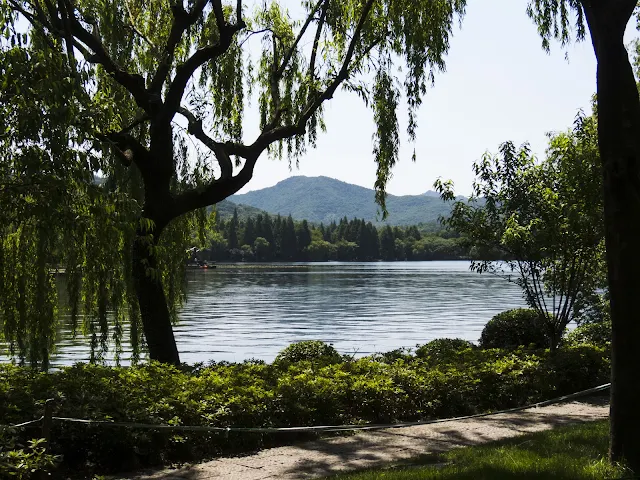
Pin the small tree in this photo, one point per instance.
(261, 249)
(545, 218)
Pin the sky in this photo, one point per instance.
(499, 85)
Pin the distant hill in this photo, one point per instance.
(225, 209)
(324, 199)
(431, 193)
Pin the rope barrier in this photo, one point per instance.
(322, 428)
(25, 424)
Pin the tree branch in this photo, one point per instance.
(143, 118)
(287, 57)
(39, 20)
(135, 29)
(252, 33)
(66, 11)
(344, 70)
(273, 133)
(195, 129)
(213, 193)
(132, 82)
(316, 41)
(222, 188)
(185, 71)
(129, 149)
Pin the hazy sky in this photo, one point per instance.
(499, 85)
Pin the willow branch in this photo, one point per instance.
(135, 29)
(316, 41)
(132, 82)
(181, 22)
(195, 129)
(239, 11)
(287, 57)
(344, 70)
(222, 188)
(203, 55)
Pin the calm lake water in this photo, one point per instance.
(361, 308)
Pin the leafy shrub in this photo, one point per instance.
(392, 356)
(513, 328)
(315, 351)
(463, 380)
(593, 307)
(591, 334)
(18, 461)
(444, 348)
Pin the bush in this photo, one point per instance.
(392, 356)
(444, 348)
(462, 381)
(514, 328)
(314, 351)
(591, 334)
(20, 462)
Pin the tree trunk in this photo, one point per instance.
(619, 143)
(554, 340)
(154, 312)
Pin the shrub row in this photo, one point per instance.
(307, 385)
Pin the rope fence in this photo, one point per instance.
(48, 418)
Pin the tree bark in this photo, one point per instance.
(619, 143)
(154, 311)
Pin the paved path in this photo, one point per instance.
(370, 449)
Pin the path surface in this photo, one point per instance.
(370, 449)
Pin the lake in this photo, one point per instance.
(361, 308)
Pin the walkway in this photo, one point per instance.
(323, 457)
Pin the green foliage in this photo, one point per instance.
(346, 240)
(514, 328)
(544, 218)
(592, 333)
(314, 351)
(18, 461)
(321, 251)
(444, 348)
(317, 387)
(570, 452)
(594, 308)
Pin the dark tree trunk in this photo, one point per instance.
(619, 143)
(154, 311)
(554, 340)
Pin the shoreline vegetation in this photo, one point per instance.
(266, 238)
(309, 383)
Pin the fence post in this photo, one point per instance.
(47, 421)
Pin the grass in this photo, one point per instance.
(576, 452)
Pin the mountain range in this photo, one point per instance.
(324, 199)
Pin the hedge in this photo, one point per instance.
(446, 379)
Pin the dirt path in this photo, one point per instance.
(370, 449)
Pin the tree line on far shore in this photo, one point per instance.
(277, 238)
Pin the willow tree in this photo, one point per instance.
(618, 112)
(152, 95)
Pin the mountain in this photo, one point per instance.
(324, 199)
(431, 193)
(225, 210)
